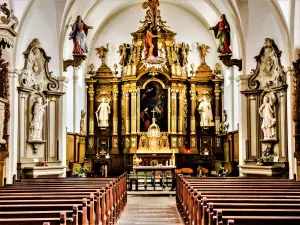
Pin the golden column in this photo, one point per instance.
(193, 109)
(174, 111)
(127, 116)
(115, 115)
(217, 104)
(180, 113)
(91, 93)
(133, 111)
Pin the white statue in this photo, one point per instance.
(102, 113)
(206, 112)
(161, 50)
(36, 123)
(267, 112)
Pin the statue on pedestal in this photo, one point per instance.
(78, 35)
(36, 123)
(203, 50)
(222, 33)
(267, 112)
(205, 112)
(102, 113)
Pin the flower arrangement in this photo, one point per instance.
(42, 164)
(80, 172)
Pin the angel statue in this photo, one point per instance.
(102, 113)
(184, 51)
(152, 5)
(267, 112)
(36, 123)
(124, 51)
(78, 35)
(203, 50)
(102, 53)
(205, 111)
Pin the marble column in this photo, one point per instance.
(91, 93)
(180, 113)
(75, 100)
(127, 116)
(242, 81)
(174, 111)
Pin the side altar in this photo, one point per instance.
(153, 79)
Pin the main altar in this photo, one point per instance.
(148, 105)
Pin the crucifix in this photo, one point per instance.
(153, 111)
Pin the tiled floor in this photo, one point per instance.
(150, 210)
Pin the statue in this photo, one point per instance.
(267, 112)
(203, 50)
(183, 52)
(102, 113)
(82, 123)
(161, 50)
(153, 11)
(206, 112)
(222, 33)
(124, 51)
(36, 123)
(78, 35)
(224, 125)
(149, 46)
(102, 53)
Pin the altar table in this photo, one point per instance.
(154, 169)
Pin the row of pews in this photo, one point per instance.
(238, 201)
(63, 201)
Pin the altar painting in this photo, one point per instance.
(154, 97)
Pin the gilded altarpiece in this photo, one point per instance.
(153, 83)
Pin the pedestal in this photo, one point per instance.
(255, 170)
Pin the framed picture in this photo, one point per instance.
(276, 159)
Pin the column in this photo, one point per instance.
(180, 113)
(75, 100)
(127, 116)
(217, 105)
(193, 109)
(115, 113)
(91, 116)
(242, 81)
(133, 111)
(174, 111)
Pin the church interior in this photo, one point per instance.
(149, 112)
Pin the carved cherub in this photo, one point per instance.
(102, 53)
(203, 50)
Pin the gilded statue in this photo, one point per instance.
(222, 33)
(78, 35)
(102, 53)
(82, 123)
(153, 10)
(124, 51)
(184, 51)
(203, 50)
(36, 124)
(102, 113)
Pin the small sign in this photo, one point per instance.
(35, 160)
(276, 159)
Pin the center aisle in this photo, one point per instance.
(150, 210)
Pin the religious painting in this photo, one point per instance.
(154, 101)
